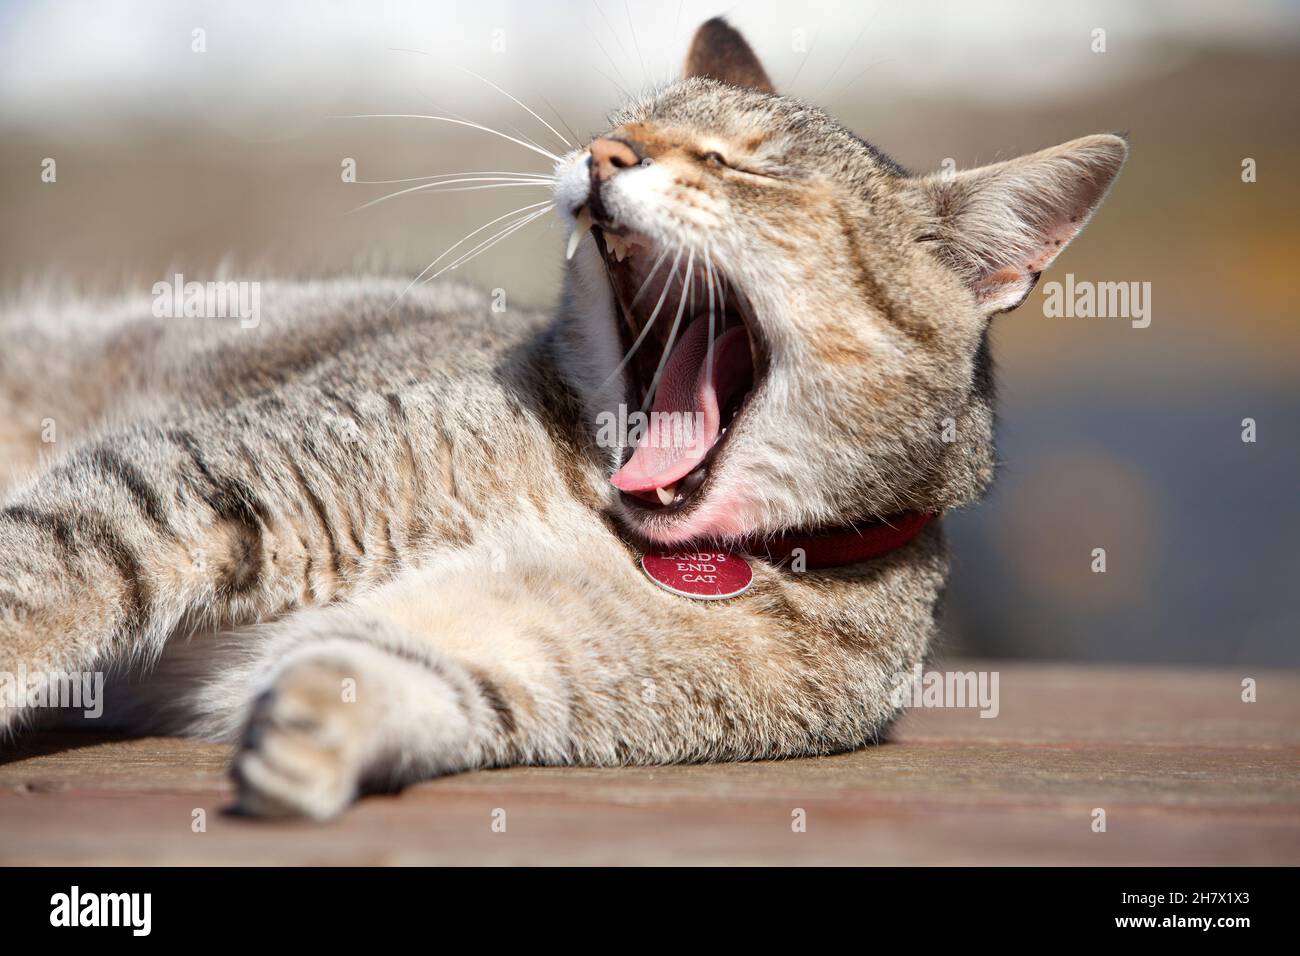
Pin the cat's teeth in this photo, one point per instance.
(667, 493)
(618, 247)
(580, 229)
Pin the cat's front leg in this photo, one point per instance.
(103, 555)
(352, 706)
(213, 521)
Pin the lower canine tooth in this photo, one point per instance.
(666, 494)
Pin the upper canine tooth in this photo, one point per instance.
(667, 493)
(580, 229)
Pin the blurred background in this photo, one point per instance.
(170, 157)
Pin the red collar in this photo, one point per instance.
(833, 547)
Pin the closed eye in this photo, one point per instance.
(717, 161)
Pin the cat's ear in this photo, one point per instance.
(719, 52)
(1001, 225)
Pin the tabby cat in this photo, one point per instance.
(372, 545)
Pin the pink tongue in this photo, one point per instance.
(686, 417)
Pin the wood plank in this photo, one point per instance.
(1186, 772)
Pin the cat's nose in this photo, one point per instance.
(608, 156)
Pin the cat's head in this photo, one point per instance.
(846, 303)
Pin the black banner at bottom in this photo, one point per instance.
(334, 905)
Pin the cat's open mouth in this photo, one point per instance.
(695, 359)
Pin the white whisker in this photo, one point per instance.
(612, 31)
(708, 355)
(567, 144)
(649, 322)
(632, 29)
(645, 283)
(452, 248)
(457, 122)
(497, 183)
(541, 177)
(510, 126)
(560, 118)
(615, 83)
(672, 335)
(487, 244)
(612, 61)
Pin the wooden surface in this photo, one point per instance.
(1186, 772)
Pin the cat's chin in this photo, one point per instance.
(719, 517)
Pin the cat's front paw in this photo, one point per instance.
(305, 746)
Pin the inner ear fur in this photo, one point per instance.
(719, 52)
(1002, 225)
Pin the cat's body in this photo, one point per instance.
(377, 544)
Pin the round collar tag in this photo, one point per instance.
(702, 575)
